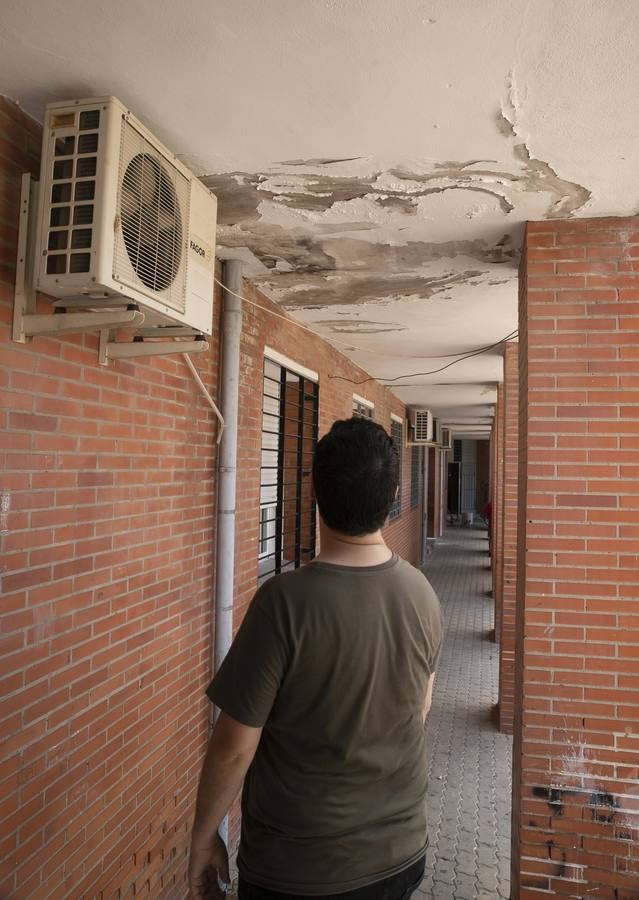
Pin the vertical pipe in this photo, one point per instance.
(227, 469)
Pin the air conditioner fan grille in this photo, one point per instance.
(152, 210)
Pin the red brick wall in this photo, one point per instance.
(108, 517)
(576, 812)
(509, 538)
(107, 520)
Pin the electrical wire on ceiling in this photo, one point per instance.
(288, 319)
(461, 358)
(334, 340)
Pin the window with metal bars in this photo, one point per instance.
(397, 434)
(290, 421)
(363, 408)
(414, 477)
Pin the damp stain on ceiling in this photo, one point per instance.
(374, 162)
(378, 244)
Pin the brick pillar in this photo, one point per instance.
(576, 748)
(434, 492)
(508, 573)
(497, 506)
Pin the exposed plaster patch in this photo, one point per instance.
(241, 194)
(376, 288)
(279, 249)
(405, 205)
(237, 198)
(540, 176)
(505, 205)
(319, 162)
(360, 326)
(570, 196)
(504, 125)
(274, 246)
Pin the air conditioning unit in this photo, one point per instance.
(446, 438)
(421, 421)
(120, 217)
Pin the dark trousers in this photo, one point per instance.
(397, 887)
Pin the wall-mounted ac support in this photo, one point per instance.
(117, 233)
(141, 346)
(26, 322)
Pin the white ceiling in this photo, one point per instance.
(374, 160)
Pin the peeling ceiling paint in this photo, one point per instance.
(374, 163)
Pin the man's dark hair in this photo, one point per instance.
(355, 476)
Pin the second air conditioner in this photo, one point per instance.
(421, 426)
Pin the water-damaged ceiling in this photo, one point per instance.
(374, 161)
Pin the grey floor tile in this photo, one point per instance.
(469, 761)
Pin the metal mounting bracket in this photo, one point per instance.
(24, 293)
(72, 323)
(26, 322)
(110, 349)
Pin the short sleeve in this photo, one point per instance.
(434, 630)
(250, 677)
(437, 651)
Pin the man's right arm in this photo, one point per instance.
(228, 757)
(429, 695)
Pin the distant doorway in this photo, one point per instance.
(454, 493)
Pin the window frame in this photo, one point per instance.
(288, 449)
(363, 408)
(397, 422)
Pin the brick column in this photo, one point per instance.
(497, 506)
(508, 557)
(434, 492)
(576, 748)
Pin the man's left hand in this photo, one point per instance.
(208, 869)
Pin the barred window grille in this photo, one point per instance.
(414, 477)
(397, 435)
(287, 518)
(363, 410)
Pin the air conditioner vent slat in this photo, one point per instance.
(422, 425)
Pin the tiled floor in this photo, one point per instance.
(470, 762)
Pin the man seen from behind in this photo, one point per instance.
(322, 700)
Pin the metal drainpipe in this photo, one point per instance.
(227, 470)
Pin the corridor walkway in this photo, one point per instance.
(470, 762)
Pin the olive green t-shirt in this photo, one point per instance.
(333, 662)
